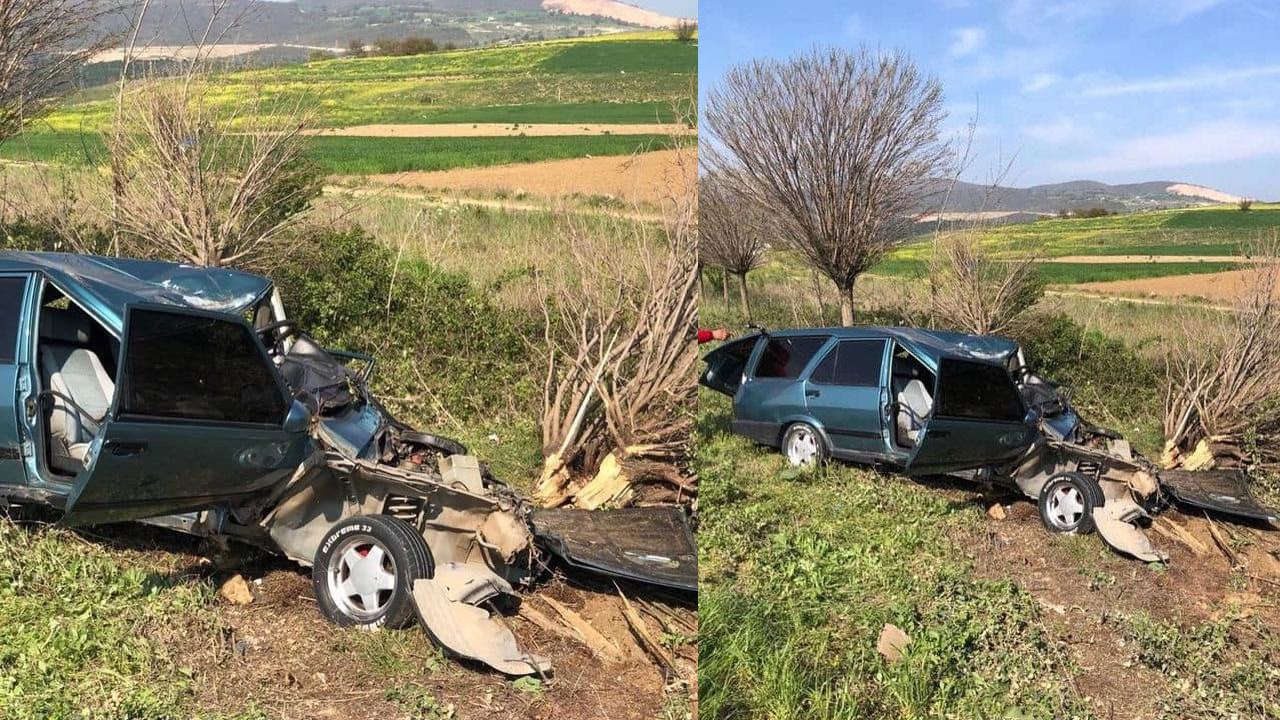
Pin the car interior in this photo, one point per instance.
(911, 385)
(77, 364)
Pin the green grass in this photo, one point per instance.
(1211, 230)
(87, 636)
(631, 78)
(369, 155)
(1055, 273)
(801, 571)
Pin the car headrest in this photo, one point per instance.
(68, 326)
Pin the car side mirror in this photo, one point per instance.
(299, 418)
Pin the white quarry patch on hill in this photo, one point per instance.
(1202, 192)
(619, 11)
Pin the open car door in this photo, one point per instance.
(978, 419)
(200, 416)
(726, 364)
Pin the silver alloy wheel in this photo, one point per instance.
(362, 577)
(802, 446)
(1066, 507)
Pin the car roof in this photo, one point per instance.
(107, 284)
(929, 345)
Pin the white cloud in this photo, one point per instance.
(1182, 82)
(1219, 141)
(1055, 132)
(967, 41)
(1039, 81)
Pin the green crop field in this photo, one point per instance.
(1059, 273)
(627, 78)
(371, 155)
(1211, 230)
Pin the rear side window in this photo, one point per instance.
(786, 357)
(977, 391)
(12, 290)
(198, 368)
(854, 363)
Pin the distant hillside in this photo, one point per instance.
(1078, 194)
(336, 23)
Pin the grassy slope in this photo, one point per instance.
(631, 78)
(1212, 230)
(342, 155)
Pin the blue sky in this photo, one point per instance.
(1117, 91)
(675, 8)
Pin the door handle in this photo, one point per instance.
(811, 393)
(939, 433)
(125, 449)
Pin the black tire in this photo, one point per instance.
(807, 443)
(365, 602)
(1067, 501)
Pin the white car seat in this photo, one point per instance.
(914, 406)
(75, 372)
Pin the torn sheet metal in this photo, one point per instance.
(647, 544)
(1222, 491)
(447, 605)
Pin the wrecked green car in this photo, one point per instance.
(184, 397)
(932, 402)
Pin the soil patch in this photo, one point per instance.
(1224, 286)
(1084, 588)
(643, 178)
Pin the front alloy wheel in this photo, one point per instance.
(365, 569)
(1067, 501)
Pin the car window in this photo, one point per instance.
(785, 357)
(197, 368)
(12, 290)
(977, 391)
(853, 363)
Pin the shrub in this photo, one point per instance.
(1113, 384)
(1245, 204)
(442, 346)
(685, 30)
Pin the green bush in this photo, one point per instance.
(1113, 385)
(443, 347)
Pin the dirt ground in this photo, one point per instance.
(1224, 286)
(506, 130)
(279, 655)
(643, 178)
(1083, 588)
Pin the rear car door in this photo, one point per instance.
(978, 420)
(198, 418)
(846, 395)
(772, 393)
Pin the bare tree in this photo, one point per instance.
(1222, 383)
(207, 184)
(975, 291)
(731, 233)
(842, 146)
(618, 394)
(42, 44)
